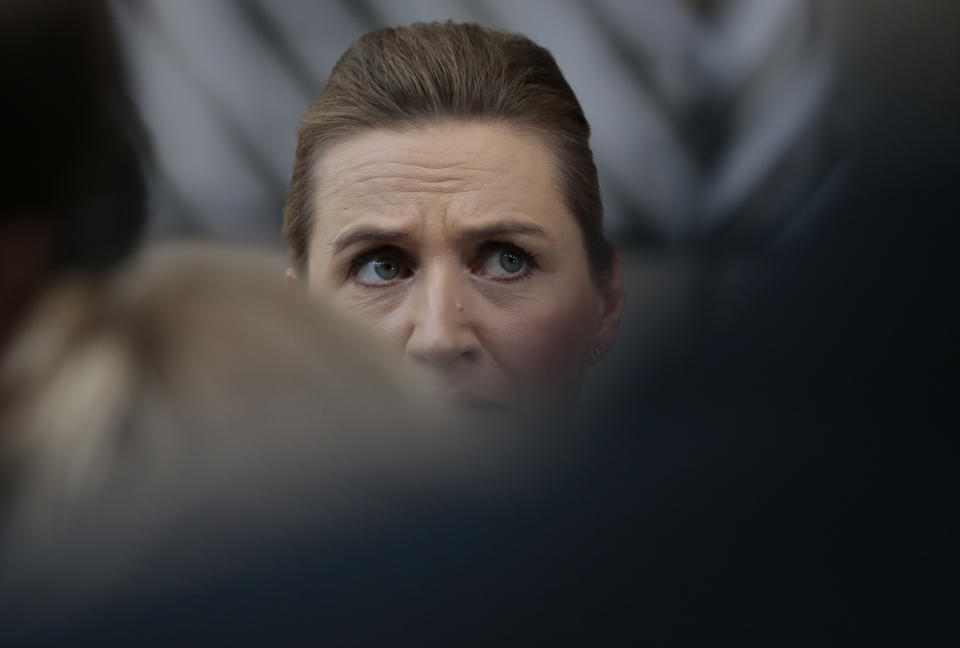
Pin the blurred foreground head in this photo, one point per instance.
(71, 186)
(194, 406)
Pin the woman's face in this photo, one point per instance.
(453, 242)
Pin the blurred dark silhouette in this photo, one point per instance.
(72, 194)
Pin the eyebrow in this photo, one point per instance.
(361, 234)
(492, 230)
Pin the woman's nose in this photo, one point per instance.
(442, 331)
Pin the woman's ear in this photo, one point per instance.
(290, 279)
(611, 301)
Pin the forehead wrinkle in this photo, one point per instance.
(398, 184)
(428, 161)
(403, 209)
(360, 180)
(373, 177)
(405, 222)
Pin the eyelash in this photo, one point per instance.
(365, 257)
(529, 258)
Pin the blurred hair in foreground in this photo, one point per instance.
(195, 402)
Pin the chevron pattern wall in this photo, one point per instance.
(713, 120)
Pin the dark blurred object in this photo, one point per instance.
(72, 193)
(72, 141)
(803, 439)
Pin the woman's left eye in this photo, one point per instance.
(506, 262)
(380, 269)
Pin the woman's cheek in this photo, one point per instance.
(546, 341)
(377, 313)
(371, 304)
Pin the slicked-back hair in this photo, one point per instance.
(435, 72)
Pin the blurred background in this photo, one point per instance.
(710, 118)
(717, 124)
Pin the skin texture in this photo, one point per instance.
(489, 286)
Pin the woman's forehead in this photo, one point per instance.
(446, 152)
(451, 170)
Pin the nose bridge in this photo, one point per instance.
(441, 330)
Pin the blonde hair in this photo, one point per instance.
(197, 384)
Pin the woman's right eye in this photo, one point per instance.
(380, 269)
